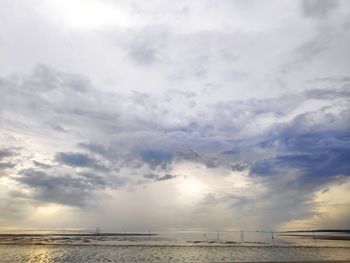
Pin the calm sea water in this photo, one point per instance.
(101, 253)
(172, 247)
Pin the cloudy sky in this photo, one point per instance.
(161, 114)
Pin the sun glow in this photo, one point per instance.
(191, 187)
(48, 210)
(87, 14)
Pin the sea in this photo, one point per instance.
(174, 246)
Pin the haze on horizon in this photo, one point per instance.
(157, 114)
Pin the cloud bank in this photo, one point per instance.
(162, 117)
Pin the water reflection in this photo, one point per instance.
(40, 254)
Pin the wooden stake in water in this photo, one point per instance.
(272, 238)
(97, 233)
(242, 236)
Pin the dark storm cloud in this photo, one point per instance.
(150, 176)
(6, 153)
(97, 149)
(75, 159)
(311, 145)
(69, 189)
(128, 158)
(316, 157)
(4, 166)
(282, 147)
(294, 139)
(313, 167)
(157, 157)
(318, 8)
(293, 159)
(120, 157)
(97, 181)
(166, 177)
(239, 167)
(155, 177)
(82, 160)
(42, 165)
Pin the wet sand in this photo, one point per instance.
(170, 254)
(167, 247)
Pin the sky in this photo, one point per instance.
(201, 114)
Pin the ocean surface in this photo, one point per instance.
(173, 246)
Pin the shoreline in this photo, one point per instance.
(172, 245)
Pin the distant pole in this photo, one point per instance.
(242, 236)
(204, 235)
(272, 238)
